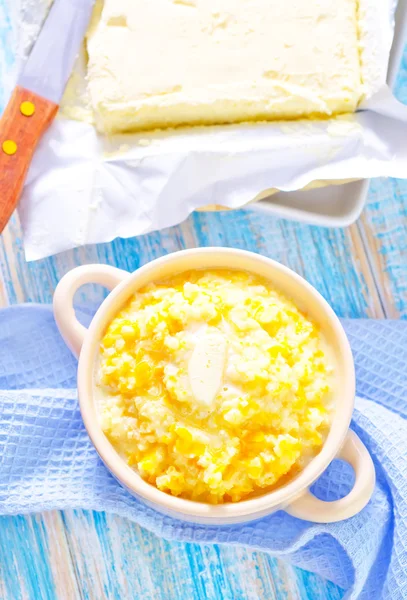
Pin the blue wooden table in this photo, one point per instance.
(361, 271)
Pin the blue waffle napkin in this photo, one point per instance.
(47, 461)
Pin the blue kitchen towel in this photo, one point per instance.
(47, 461)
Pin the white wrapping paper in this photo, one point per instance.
(84, 188)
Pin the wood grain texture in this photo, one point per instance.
(383, 228)
(25, 132)
(362, 271)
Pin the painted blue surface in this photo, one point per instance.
(8, 49)
(91, 555)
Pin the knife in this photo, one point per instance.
(35, 99)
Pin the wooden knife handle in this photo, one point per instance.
(25, 119)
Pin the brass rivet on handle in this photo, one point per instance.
(27, 109)
(9, 147)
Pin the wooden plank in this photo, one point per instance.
(383, 228)
(35, 559)
(98, 540)
(12, 274)
(3, 296)
(331, 259)
(191, 571)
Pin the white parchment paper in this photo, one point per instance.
(85, 188)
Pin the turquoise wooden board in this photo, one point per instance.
(383, 227)
(362, 271)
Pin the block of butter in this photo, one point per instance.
(166, 63)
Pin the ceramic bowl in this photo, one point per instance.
(294, 496)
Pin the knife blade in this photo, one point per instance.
(34, 102)
(52, 58)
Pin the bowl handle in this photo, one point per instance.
(310, 508)
(71, 330)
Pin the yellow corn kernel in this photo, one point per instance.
(129, 332)
(120, 343)
(143, 373)
(234, 416)
(109, 340)
(213, 478)
(147, 465)
(189, 448)
(131, 460)
(254, 468)
(172, 480)
(287, 446)
(183, 433)
(258, 437)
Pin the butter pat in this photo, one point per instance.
(164, 63)
(206, 367)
